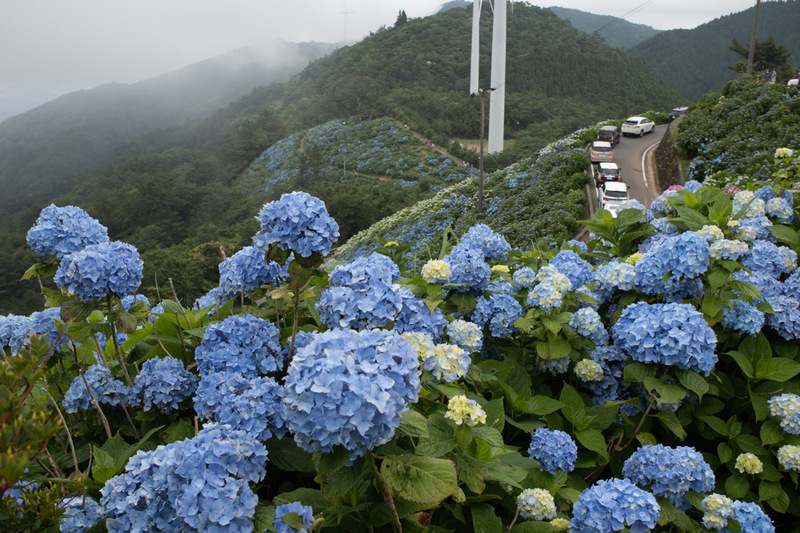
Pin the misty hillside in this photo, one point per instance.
(615, 31)
(45, 150)
(696, 61)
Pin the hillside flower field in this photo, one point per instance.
(644, 380)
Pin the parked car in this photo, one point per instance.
(677, 113)
(610, 134)
(607, 172)
(611, 195)
(638, 126)
(601, 151)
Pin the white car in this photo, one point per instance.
(601, 151)
(638, 126)
(611, 194)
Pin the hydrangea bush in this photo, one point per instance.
(646, 396)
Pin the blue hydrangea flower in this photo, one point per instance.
(343, 307)
(305, 512)
(131, 299)
(755, 228)
(100, 269)
(611, 505)
(297, 222)
(577, 269)
(545, 296)
(493, 245)
(766, 258)
(39, 323)
(787, 408)
(786, 320)
(80, 514)
(747, 204)
(524, 278)
(751, 517)
(465, 334)
(717, 508)
(350, 387)
(554, 449)
(664, 225)
(60, 231)
(553, 276)
(684, 256)
(769, 287)
(728, 249)
(197, 484)
(8, 324)
(213, 298)
(612, 277)
(789, 457)
(240, 344)
(667, 334)
(447, 362)
(105, 388)
(415, 315)
(612, 360)
(670, 472)
(791, 287)
(469, 270)
(364, 272)
(499, 311)
(251, 404)
(163, 383)
(743, 318)
(246, 270)
(781, 210)
(661, 203)
(586, 322)
(555, 367)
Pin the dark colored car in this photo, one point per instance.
(609, 134)
(607, 172)
(677, 113)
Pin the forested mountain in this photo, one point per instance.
(45, 151)
(615, 31)
(696, 61)
(179, 193)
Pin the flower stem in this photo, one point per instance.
(387, 495)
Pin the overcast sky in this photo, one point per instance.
(50, 47)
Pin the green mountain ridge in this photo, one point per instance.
(696, 61)
(615, 31)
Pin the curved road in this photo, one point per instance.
(632, 155)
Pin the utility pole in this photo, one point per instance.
(482, 92)
(752, 53)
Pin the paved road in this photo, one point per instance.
(629, 155)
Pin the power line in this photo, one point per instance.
(629, 13)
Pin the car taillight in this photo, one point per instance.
(610, 153)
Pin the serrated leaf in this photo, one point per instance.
(780, 503)
(671, 422)
(593, 440)
(343, 480)
(662, 392)
(693, 220)
(413, 424)
(777, 369)
(744, 363)
(484, 519)
(328, 463)
(423, 480)
(638, 372)
(693, 381)
(471, 471)
(736, 486)
(717, 424)
(103, 466)
(786, 235)
(542, 405)
(769, 489)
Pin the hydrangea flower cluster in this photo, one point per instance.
(554, 449)
(614, 276)
(588, 370)
(570, 264)
(789, 457)
(786, 320)
(524, 278)
(751, 518)
(499, 311)
(749, 463)
(466, 335)
(246, 270)
(343, 307)
(163, 383)
(717, 509)
(99, 270)
(240, 344)
(787, 408)
(130, 300)
(197, 484)
(611, 505)
(667, 334)
(612, 362)
(447, 362)
(765, 257)
(104, 387)
(80, 514)
(743, 318)
(746, 204)
(16, 331)
(436, 271)
(781, 210)
(364, 272)
(728, 249)
(711, 233)
(297, 222)
(559, 524)
(549, 274)
(587, 322)
(60, 231)
(670, 472)
(555, 366)
(350, 387)
(463, 410)
(683, 256)
(422, 343)
(251, 404)
(415, 315)
(545, 296)
(468, 269)
(536, 504)
(305, 512)
(481, 237)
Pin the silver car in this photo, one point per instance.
(601, 151)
